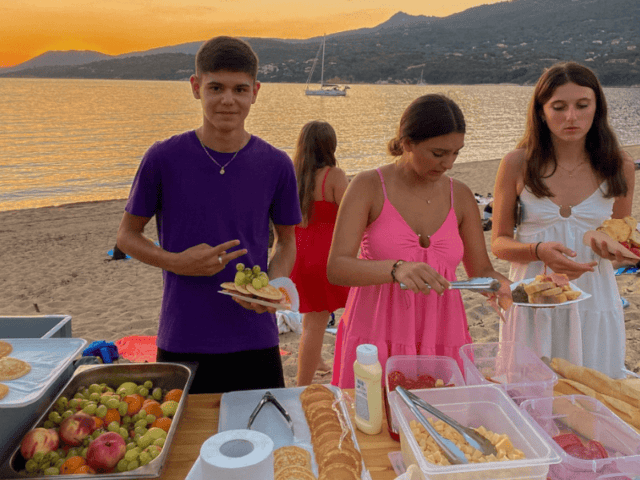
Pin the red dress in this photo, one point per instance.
(310, 270)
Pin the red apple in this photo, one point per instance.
(106, 451)
(37, 440)
(74, 429)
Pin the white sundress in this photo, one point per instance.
(590, 333)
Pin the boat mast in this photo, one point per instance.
(322, 70)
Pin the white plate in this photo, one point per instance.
(280, 282)
(584, 295)
(48, 357)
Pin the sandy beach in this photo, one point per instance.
(53, 260)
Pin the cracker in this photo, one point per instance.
(3, 390)
(243, 289)
(12, 368)
(5, 348)
(229, 286)
(268, 291)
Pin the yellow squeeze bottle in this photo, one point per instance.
(368, 389)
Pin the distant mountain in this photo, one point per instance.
(507, 42)
(56, 57)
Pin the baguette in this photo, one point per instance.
(538, 287)
(552, 292)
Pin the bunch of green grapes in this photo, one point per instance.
(254, 276)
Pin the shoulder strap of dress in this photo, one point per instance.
(324, 181)
(451, 187)
(384, 188)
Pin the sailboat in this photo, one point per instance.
(421, 81)
(326, 89)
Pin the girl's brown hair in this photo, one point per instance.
(602, 145)
(315, 149)
(426, 117)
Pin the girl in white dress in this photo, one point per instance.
(569, 175)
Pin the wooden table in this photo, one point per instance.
(200, 421)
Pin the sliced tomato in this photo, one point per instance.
(396, 378)
(425, 381)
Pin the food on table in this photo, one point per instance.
(519, 295)
(621, 398)
(573, 445)
(553, 288)
(423, 380)
(433, 453)
(4, 390)
(101, 430)
(13, 368)
(5, 348)
(292, 462)
(335, 452)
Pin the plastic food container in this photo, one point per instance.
(475, 406)
(511, 365)
(165, 375)
(590, 420)
(415, 368)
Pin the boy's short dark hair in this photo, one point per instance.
(226, 53)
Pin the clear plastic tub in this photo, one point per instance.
(590, 420)
(511, 365)
(412, 367)
(475, 406)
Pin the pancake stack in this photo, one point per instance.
(335, 453)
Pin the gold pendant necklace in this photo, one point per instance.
(222, 167)
(570, 172)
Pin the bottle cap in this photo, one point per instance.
(367, 354)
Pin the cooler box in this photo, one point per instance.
(512, 366)
(475, 406)
(589, 419)
(44, 326)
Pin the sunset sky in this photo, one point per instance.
(32, 27)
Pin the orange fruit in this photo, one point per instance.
(72, 464)
(135, 403)
(163, 423)
(84, 469)
(112, 416)
(153, 409)
(174, 394)
(98, 422)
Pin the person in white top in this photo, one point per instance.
(568, 174)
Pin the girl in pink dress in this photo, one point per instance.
(321, 185)
(412, 225)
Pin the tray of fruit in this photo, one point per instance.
(115, 420)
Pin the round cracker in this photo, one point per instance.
(243, 289)
(3, 390)
(5, 348)
(295, 472)
(229, 286)
(268, 291)
(12, 368)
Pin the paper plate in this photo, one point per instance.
(284, 284)
(583, 296)
(612, 245)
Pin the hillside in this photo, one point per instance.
(508, 42)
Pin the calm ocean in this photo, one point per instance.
(64, 141)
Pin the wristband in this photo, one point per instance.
(393, 270)
(536, 250)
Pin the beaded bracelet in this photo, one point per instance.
(393, 270)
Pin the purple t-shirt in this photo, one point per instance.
(179, 184)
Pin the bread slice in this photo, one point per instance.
(572, 294)
(551, 292)
(538, 287)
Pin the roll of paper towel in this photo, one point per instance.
(237, 455)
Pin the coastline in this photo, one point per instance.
(54, 261)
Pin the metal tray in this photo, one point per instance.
(165, 375)
(235, 408)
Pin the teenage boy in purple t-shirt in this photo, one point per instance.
(213, 191)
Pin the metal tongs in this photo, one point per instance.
(480, 284)
(473, 438)
(268, 397)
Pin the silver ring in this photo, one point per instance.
(220, 259)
